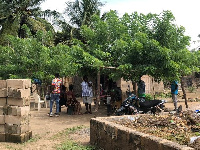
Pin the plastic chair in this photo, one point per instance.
(38, 101)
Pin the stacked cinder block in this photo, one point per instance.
(15, 110)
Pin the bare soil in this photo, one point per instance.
(46, 129)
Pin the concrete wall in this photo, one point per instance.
(110, 136)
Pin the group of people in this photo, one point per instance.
(60, 96)
(67, 98)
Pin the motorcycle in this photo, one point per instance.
(135, 105)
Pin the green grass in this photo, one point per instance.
(69, 144)
(34, 139)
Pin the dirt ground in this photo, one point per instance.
(45, 128)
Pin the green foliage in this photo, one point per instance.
(134, 45)
(17, 14)
(30, 58)
(69, 145)
(81, 11)
(148, 97)
(163, 95)
(139, 44)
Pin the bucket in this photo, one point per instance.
(70, 110)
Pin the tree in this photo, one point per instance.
(139, 44)
(30, 58)
(81, 11)
(15, 14)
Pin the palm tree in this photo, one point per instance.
(80, 11)
(14, 14)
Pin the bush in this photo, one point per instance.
(148, 97)
(163, 95)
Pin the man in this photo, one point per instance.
(55, 96)
(174, 92)
(87, 94)
(141, 90)
(115, 100)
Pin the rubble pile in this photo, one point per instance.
(174, 127)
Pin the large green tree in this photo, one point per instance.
(30, 58)
(139, 44)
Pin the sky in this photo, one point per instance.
(186, 12)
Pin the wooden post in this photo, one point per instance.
(98, 89)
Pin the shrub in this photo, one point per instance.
(148, 97)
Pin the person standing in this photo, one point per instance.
(55, 96)
(174, 92)
(141, 90)
(87, 94)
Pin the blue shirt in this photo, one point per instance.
(174, 87)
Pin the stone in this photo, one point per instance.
(16, 129)
(18, 111)
(3, 101)
(2, 119)
(3, 92)
(18, 101)
(17, 120)
(19, 93)
(3, 84)
(2, 137)
(19, 83)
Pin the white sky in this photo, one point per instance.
(186, 12)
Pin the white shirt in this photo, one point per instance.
(86, 89)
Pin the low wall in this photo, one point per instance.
(111, 136)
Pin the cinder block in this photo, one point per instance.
(17, 120)
(19, 93)
(2, 137)
(18, 101)
(3, 84)
(3, 101)
(15, 138)
(16, 129)
(18, 111)
(2, 128)
(18, 138)
(1, 110)
(19, 83)
(3, 92)
(2, 119)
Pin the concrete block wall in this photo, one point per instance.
(107, 135)
(15, 110)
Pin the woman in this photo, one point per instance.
(71, 101)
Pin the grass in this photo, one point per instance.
(34, 139)
(69, 144)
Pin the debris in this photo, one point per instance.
(175, 127)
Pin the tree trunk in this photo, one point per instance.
(184, 93)
(134, 87)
